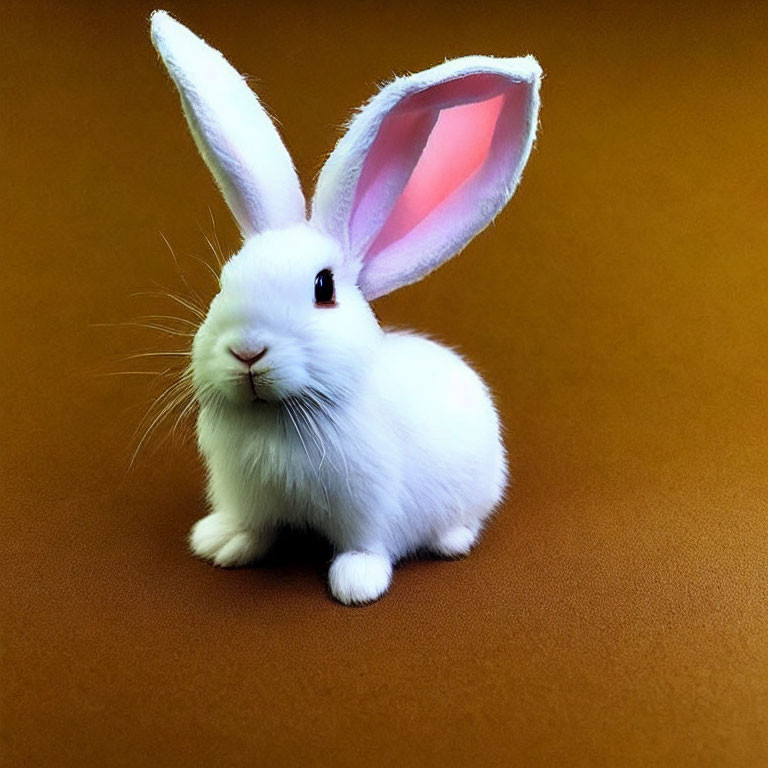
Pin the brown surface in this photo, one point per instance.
(615, 613)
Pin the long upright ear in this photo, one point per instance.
(232, 131)
(426, 164)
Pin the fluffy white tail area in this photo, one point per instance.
(359, 577)
(227, 543)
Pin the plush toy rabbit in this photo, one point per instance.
(310, 413)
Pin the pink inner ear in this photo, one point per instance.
(458, 145)
(459, 137)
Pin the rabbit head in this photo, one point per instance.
(423, 167)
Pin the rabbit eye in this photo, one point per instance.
(325, 295)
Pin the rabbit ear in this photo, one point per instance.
(232, 131)
(426, 164)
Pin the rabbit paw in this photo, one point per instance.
(226, 542)
(359, 577)
(455, 542)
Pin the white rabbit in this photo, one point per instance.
(310, 413)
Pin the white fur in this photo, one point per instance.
(231, 129)
(359, 577)
(383, 441)
(401, 451)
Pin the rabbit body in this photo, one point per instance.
(394, 470)
(396, 450)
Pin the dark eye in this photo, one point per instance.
(325, 295)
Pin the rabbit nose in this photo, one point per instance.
(248, 356)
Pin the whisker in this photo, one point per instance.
(176, 394)
(290, 404)
(215, 233)
(148, 326)
(185, 411)
(170, 317)
(323, 403)
(289, 410)
(216, 255)
(197, 311)
(141, 355)
(179, 271)
(135, 373)
(315, 432)
(208, 267)
(193, 304)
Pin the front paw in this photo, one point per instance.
(226, 542)
(359, 577)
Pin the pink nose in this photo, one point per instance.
(248, 356)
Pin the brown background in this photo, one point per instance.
(615, 613)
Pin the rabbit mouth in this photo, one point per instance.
(261, 389)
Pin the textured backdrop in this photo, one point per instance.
(614, 614)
